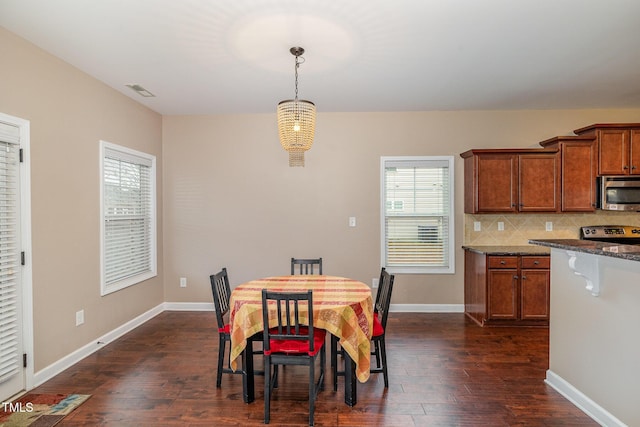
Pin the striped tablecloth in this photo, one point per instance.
(343, 307)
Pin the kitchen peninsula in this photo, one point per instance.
(593, 345)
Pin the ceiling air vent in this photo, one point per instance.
(141, 91)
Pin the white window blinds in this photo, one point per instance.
(128, 210)
(10, 356)
(417, 214)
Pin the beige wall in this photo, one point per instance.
(226, 194)
(232, 200)
(69, 113)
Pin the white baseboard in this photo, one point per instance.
(586, 405)
(73, 358)
(189, 306)
(426, 308)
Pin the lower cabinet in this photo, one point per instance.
(507, 289)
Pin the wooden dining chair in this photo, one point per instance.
(221, 296)
(380, 315)
(287, 341)
(305, 266)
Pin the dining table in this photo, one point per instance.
(341, 306)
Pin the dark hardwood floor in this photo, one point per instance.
(444, 371)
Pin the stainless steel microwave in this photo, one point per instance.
(619, 193)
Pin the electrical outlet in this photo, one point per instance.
(549, 226)
(183, 282)
(477, 226)
(352, 221)
(79, 317)
(500, 226)
(374, 282)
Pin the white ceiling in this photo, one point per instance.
(232, 56)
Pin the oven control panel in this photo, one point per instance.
(609, 231)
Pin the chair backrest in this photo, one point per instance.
(305, 265)
(221, 295)
(283, 309)
(383, 297)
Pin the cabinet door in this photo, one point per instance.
(534, 294)
(496, 176)
(538, 183)
(613, 152)
(578, 176)
(502, 294)
(634, 154)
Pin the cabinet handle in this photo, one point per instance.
(633, 167)
(524, 277)
(625, 167)
(503, 262)
(536, 262)
(515, 276)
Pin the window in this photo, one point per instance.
(128, 208)
(417, 214)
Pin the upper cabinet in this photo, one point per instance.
(578, 167)
(618, 147)
(518, 180)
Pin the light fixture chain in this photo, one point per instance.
(296, 72)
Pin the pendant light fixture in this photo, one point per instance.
(296, 120)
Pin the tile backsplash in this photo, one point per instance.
(519, 228)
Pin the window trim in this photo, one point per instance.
(107, 288)
(413, 160)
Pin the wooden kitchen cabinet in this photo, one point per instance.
(578, 169)
(506, 290)
(511, 180)
(618, 147)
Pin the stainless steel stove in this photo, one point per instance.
(620, 234)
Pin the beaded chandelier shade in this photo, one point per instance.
(296, 121)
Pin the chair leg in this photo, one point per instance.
(377, 353)
(312, 392)
(323, 362)
(334, 361)
(221, 351)
(383, 352)
(267, 389)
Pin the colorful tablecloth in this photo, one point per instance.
(341, 306)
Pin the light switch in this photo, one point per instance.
(477, 226)
(500, 226)
(352, 221)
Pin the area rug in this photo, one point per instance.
(39, 410)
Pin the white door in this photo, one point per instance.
(12, 371)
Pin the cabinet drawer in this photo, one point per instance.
(503, 262)
(536, 262)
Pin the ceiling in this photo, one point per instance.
(232, 56)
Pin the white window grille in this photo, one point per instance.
(417, 214)
(128, 235)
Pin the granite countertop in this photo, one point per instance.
(509, 250)
(628, 252)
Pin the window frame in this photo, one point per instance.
(450, 244)
(128, 155)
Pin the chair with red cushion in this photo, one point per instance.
(380, 314)
(289, 342)
(221, 297)
(305, 266)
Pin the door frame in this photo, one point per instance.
(25, 240)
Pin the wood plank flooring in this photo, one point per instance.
(444, 371)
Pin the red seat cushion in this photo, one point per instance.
(299, 346)
(225, 330)
(377, 326)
